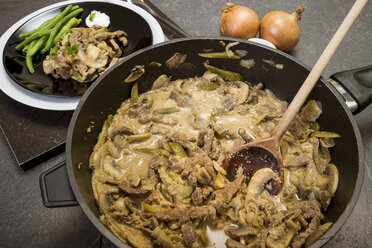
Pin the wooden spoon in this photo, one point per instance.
(265, 153)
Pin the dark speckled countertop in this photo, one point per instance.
(25, 222)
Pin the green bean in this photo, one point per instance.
(209, 86)
(25, 35)
(32, 37)
(213, 118)
(65, 29)
(260, 119)
(60, 16)
(38, 45)
(24, 50)
(102, 137)
(219, 182)
(221, 55)
(75, 7)
(227, 75)
(315, 126)
(183, 191)
(49, 23)
(164, 191)
(178, 149)
(29, 64)
(203, 231)
(151, 208)
(57, 27)
(134, 93)
(325, 134)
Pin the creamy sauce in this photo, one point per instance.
(217, 238)
(279, 205)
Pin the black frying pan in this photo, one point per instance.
(109, 91)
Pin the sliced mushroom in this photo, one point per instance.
(333, 178)
(175, 61)
(136, 72)
(259, 179)
(92, 57)
(321, 181)
(243, 92)
(161, 81)
(111, 169)
(104, 205)
(311, 111)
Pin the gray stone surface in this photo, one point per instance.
(25, 222)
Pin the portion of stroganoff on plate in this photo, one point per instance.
(85, 53)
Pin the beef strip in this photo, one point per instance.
(197, 197)
(225, 195)
(62, 68)
(167, 120)
(75, 35)
(190, 236)
(163, 240)
(324, 198)
(224, 133)
(321, 155)
(183, 215)
(141, 107)
(295, 160)
(205, 139)
(180, 99)
(114, 130)
(116, 48)
(230, 243)
(298, 127)
(146, 187)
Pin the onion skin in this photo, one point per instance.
(239, 22)
(281, 28)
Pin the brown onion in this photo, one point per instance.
(239, 22)
(281, 28)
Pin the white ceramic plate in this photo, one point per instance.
(36, 100)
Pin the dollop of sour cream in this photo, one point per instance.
(97, 18)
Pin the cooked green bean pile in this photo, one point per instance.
(48, 34)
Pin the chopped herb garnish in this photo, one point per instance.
(72, 49)
(91, 16)
(53, 52)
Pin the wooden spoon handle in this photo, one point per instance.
(317, 70)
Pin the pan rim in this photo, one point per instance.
(320, 242)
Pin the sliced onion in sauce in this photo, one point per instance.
(247, 63)
(228, 46)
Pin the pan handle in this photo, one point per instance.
(55, 187)
(355, 86)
